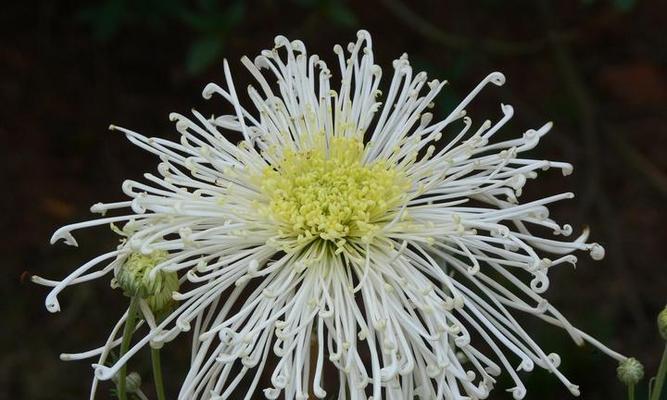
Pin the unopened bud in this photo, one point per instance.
(132, 382)
(662, 323)
(630, 371)
(135, 279)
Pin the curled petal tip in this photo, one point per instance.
(52, 305)
(66, 236)
(208, 91)
(97, 208)
(574, 389)
(597, 252)
(102, 372)
(567, 169)
(497, 78)
(280, 41)
(271, 393)
(526, 365)
(507, 109)
(518, 393)
(183, 325)
(555, 360)
(319, 393)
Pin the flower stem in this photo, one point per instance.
(660, 377)
(128, 331)
(157, 374)
(631, 392)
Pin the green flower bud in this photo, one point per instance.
(662, 323)
(132, 382)
(135, 279)
(630, 371)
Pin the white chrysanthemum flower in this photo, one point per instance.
(346, 227)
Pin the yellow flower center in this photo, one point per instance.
(328, 192)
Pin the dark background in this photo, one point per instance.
(68, 69)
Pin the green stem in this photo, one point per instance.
(660, 377)
(157, 374)
(128, 331)
(631, 392)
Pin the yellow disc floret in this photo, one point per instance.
(327, 191)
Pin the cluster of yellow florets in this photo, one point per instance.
(326, 191)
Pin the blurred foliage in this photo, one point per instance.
(620, 5)
(210, 21)
(107, 18)
(335, 11)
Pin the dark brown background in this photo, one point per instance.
(68, 69)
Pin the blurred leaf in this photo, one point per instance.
(203, 53)
(641, 84)
(235, 13)
(108, 17)
(156, 13)
(208, 5)
(308, 3)
(624, 5)
(336, 11)
(621, 5)
(210, 18)
(341, 14)
(57, 208)
(214, 23)
(105, 19)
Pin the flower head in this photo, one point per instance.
(630, 371)
(392, 240)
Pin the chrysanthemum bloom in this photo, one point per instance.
(348, 227)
